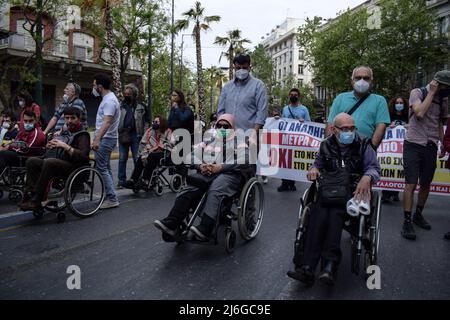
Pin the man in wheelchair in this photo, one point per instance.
(65, 153)
(29, 142)
(345, 167)
(219, 178)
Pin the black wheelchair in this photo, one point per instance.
(13, 178)
(364, 230)
(245, 207)
(165, 175)
(82, 193)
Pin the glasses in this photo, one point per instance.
(346, 129)
(364, 78)
(223, 126)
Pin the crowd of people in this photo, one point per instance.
(354, 130)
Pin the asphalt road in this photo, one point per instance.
(121, 256)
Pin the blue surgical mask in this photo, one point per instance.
(361, 86)
(347, 137)
(28, 126)
(399, 107)
(242, 74)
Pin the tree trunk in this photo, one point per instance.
(117, 85)
(231, 57)
(200, 83)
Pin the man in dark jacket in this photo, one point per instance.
(346, 154)
(67, 152)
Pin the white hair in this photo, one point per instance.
(363, 67)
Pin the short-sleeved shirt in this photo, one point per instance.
(372, 112)
(299, 112)
(426, 129)
(109, 106)
(59, 113)
(246, 100)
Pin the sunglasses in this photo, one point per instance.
(346, 129)
(223, 126)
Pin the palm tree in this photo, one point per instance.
(201, 22)
(105, 8)
(235, 46)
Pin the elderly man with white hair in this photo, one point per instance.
(347, 165)
(369, 110)
(71, 98)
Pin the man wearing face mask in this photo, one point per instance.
(369, 110)
(106, 134)
(295, 110)
(71, 98)
(347, 155)
(29, 142)
(8, 130)
(132, 126)
(65, 153)
(245, 97)
(428, 108)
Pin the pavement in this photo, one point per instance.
(121, 256)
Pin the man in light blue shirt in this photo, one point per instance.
(372, 116)
(295, 110)
(245, 97)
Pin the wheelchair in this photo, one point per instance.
(364, 230)
(245, 207)
(82, 193)
(158, 181)
(13, 178)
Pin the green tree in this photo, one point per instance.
(263, 68)
(201, 22)
(235, 43)
(407, 33)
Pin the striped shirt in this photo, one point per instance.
(59, 113)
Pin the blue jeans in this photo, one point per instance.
(103, 165)
(123, 156)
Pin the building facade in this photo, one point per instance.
(74, 53)
(288, 57)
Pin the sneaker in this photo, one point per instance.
(408, 231)
(120, 185)
(265, 180)
(293, 188)
(129, 184)
(303, 274)
(200, 232)
(108, 204)
(419, 220)
(204, 229)
(166, 226)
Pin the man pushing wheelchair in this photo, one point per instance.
(345, 167)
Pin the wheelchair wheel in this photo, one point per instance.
(251, 209)
(15, 196)
(355, 258)
(230, 240)
(159, 188)
(375, 231)
(176, 183)
(300, 235)
(84, 192)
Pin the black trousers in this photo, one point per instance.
(41, 171)
(183, 203)
(146, 165)
(8, 159)
(323, 236)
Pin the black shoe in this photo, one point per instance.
(408, 231)
(167, 226)
(204, 229)
(129, 184)
(420, 221)
(292, 188)
(447, 236)
(303, 274)
(328, 274)
(283, 188)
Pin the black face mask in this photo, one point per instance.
(293, 99)
(155, 126)
(128, 99)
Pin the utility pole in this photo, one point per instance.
(172, 49)
(38, 52)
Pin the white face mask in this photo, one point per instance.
(95, 92)
(6, 125)
(66, 98)
(22, 103)
(242, 74)
(361, 86)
